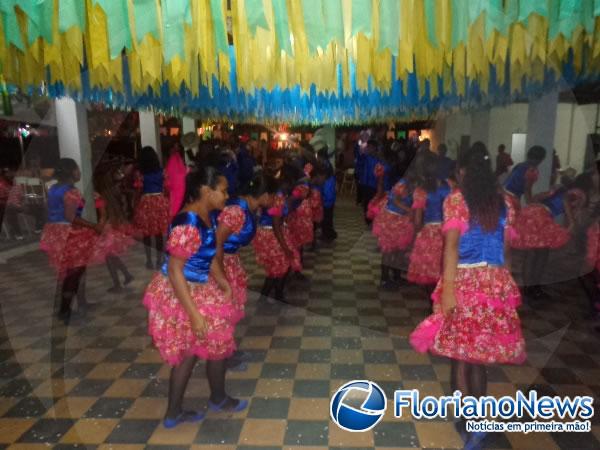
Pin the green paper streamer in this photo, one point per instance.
(12, 32)
(362, 21)
(216, 9)
(39, 19)
(71, 13)
(430, 8)
(569, 17)
(495, 18)
(173, 14)
(282, 27)
(475, 8)
(146, 19)
(255, 15)
(528, 7)
(117, 18)
(389, 25)
(312, 12)
(333, 17)
(596, 7)
(459, 22)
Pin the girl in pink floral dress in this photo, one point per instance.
(67, 238)
(189, 302)
(475, 320)
(117, 235)
(425, 267)
(151, 216)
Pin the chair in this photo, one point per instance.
(35, 191)
(348, 181)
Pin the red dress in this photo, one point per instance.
(394, 231)
(233, 218)
(300, 221)
(152, 213)
(485, 327)
(68, 246)
(425, 265)
(169, 323)
(316, 205)
(115, 239)
(269, 253)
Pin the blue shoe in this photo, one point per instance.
(236, 365)
(476, 440)
(241, 405)
(184, 417)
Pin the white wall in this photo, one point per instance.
(570, 136)
(573, 124)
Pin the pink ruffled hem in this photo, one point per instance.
(421, 279)
(423, 337)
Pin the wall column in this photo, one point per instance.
(74, 142)
(150, 131)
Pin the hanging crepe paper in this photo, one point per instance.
(145, 13)
(361, 17)
(300, 61)
(282, 28)
(119, 34)
(71, 13)
(389, 29)
(255, 15)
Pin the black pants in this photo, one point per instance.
(368, 193)
(327, 230)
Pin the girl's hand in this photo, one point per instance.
(199, 326)
(448, 300)
(227, 291)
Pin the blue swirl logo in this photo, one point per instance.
(358, 405)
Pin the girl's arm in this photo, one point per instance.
(569, 213)
(418, 218)
(182, 292)
(217, 268)
(451, 240)
(71, 216)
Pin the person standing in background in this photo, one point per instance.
(503, 163)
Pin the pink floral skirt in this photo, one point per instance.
(425, 265)
(151, 215)
(300, 223)
(238, 280)
(270, 255)
(535, 228)
(375, 206)
(393, 231)
(170, 326)
(484, 328)
(114, 241)
(68, 246)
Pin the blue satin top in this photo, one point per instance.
(266, 220)
(56, 203)
(434, 208)
(153, 182)
(479, 246)
(515, 183)
(197, 267)
(391, 206)
(555, 202)
(244, 237)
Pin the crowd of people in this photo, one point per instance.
(446, 225)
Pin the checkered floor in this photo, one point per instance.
(102, 385)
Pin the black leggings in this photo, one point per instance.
(534, 265)
(158, 246)
(114, 266)
(73, 283)
(469, 379)
(180, 376)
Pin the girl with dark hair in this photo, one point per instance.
(151, 216)
(475, 320)
(538, 231)
(273, 245)
(67, 238)
(189, 302)
(300, 220)
(117, 235)
(523, 176)
(394, 230)
(237, 228)
(425, 267)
